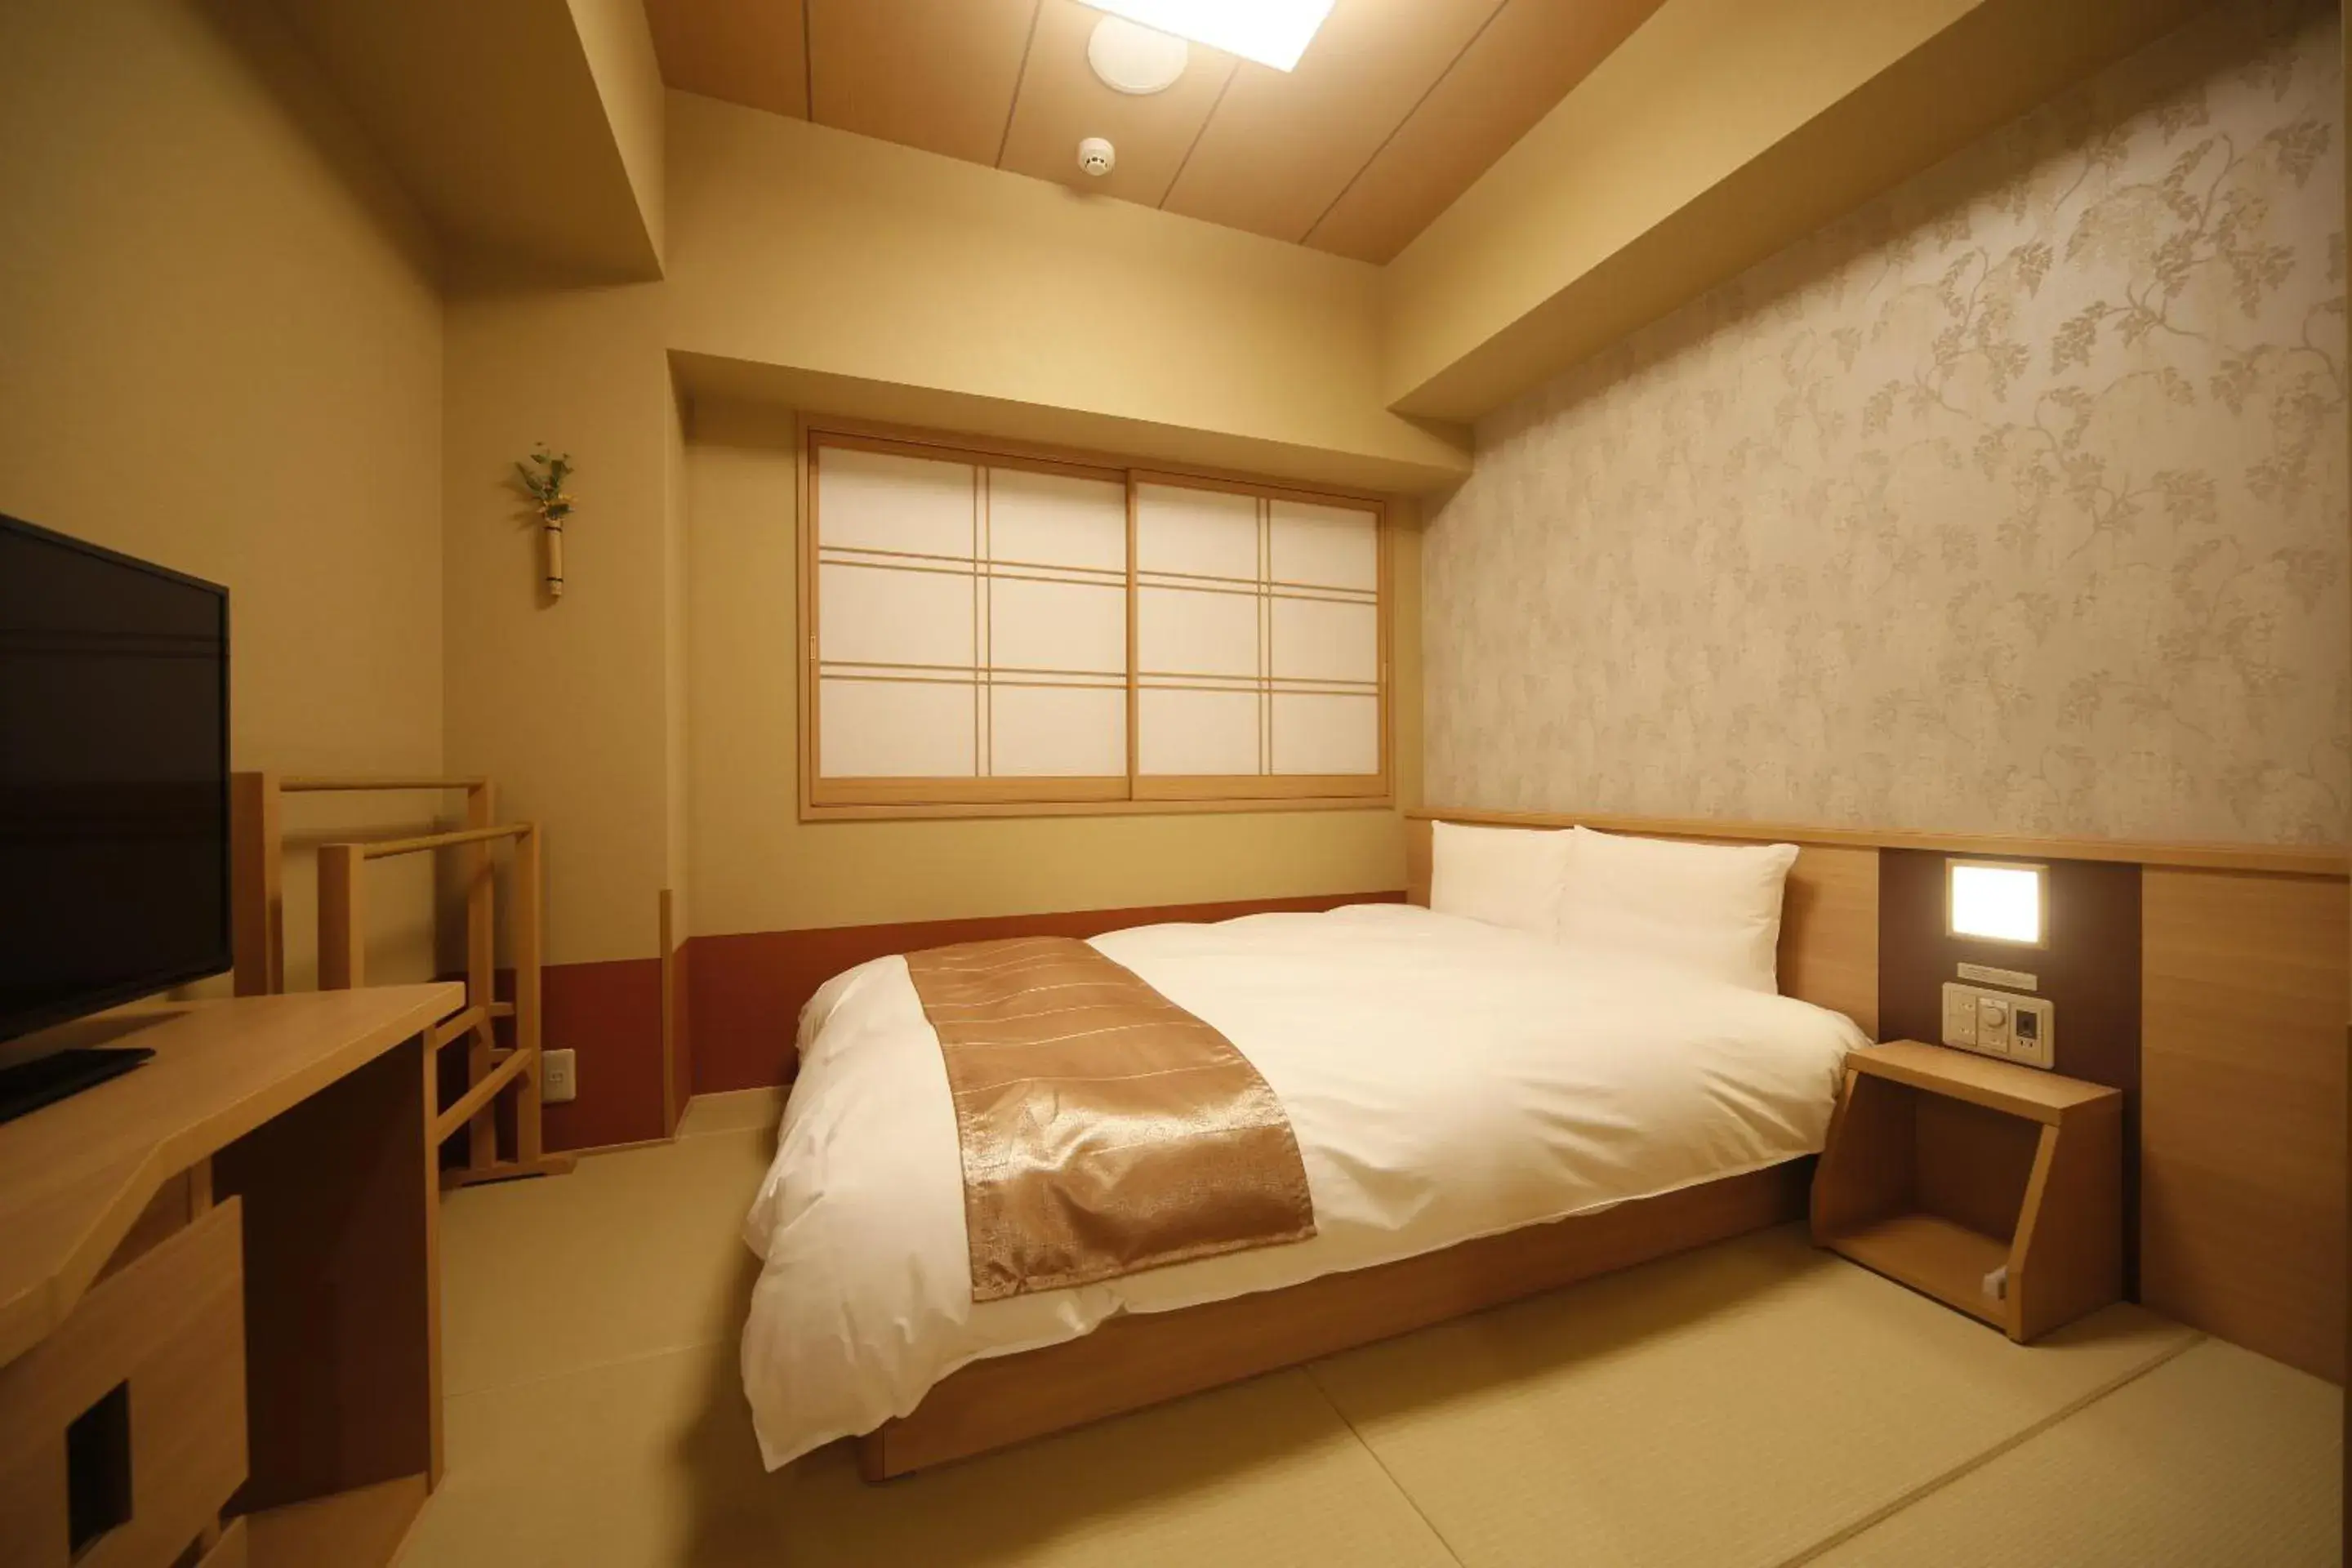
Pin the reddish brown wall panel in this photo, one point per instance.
(611, 1015)
(682, 1025)
(748, 989)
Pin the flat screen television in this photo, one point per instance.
(114, 853)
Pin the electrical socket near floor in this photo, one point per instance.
(559, 1077)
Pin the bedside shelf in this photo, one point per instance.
(1941, 1167)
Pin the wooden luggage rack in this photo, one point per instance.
(492, 1070)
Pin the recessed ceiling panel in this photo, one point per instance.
(934, 74)
(1509, 77)
(1062, 101)
(1282, 146)
(1271, 32)
(1396, 108)
(744, 51)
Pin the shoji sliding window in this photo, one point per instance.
(1006, 633)
(971, 628)
(1258, 644)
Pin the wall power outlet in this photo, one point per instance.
(559, 1077)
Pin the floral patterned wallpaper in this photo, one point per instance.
(2016, 501)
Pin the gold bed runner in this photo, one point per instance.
(1104, 1130)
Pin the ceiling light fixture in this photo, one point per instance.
(1271, 32)
(1132, 59)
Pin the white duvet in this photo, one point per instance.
(1447, 1079)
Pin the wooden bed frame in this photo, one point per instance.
(1139, 1360)
(1829, 956)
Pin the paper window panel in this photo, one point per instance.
(1058, 731)
(1196, 533)
(894, 616)
(1056, 520)
(1292, 635)
(1323, 546)
(1063, 626)
(873, 728)
(883, 501)
(1321, 733)
(1326, 639)
(1186, 731)
(1193, 631)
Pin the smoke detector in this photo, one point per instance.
(1132, 59)
(1097, 156)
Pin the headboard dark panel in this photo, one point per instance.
(2090, 971)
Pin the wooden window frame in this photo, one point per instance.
(1131, 792)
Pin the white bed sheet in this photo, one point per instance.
(1447, 1079)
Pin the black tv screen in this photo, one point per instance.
(115, 872)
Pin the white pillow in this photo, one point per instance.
(1504, 875)
(1710, 908)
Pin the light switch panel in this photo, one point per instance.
(1999, 1023)
(1959, 1016)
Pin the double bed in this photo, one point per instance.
(1480, 1112)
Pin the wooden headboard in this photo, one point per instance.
(1828, 925)
(2227, 1037)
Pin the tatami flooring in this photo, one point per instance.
(1754, 1403)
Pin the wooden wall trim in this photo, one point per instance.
(2288, 859)
(974, 810)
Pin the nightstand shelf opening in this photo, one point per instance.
(1934, 1255)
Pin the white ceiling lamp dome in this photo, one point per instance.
(1132, 59)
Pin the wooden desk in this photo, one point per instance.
(302, 1120)
(1942, 1167)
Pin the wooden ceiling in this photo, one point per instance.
(1397, 107)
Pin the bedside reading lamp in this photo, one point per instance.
(1997, 902)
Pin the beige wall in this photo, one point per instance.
(525, 127)
(2012, 504)
(564, 702)
(222, 352)
(793, 244)
(756, 867)
(619, 44)
(641, 722)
